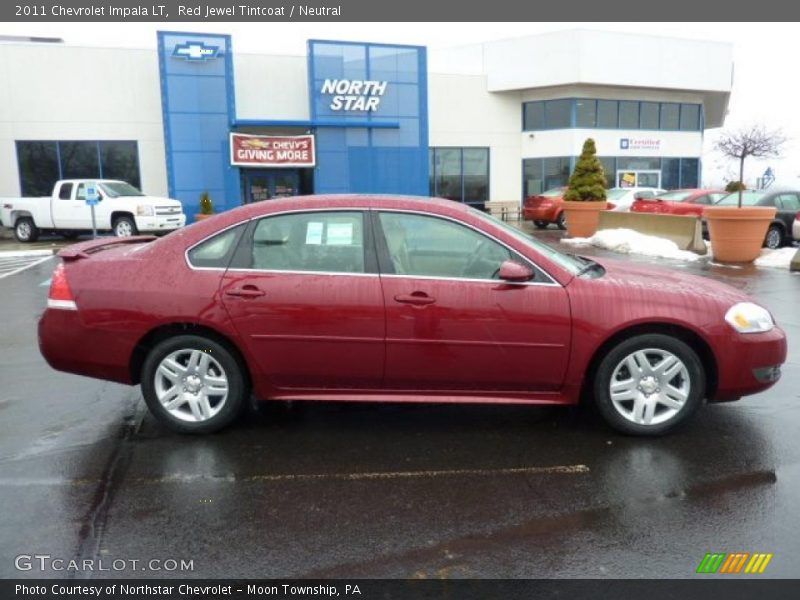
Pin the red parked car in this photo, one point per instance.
(679, 202)
(396, 299)
(546, 208)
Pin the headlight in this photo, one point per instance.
(747, 317)
(145, 210)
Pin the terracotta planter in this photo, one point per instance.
(737, 234)
(583, 217)
(201, 216)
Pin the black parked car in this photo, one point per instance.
(786, 201)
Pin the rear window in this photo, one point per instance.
(217, 251)
(675, 196)
(748, 199)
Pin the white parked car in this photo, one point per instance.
(121, 208)
(622, 198)
(796, 228)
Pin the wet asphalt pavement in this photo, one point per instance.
(388, 490)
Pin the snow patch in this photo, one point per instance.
(628, 241)
(776, 259)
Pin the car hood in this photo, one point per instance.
(159, 201)
(660, 282)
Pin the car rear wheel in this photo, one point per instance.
(649, 384)
(561, 220)
(25, 230)
(774, 239)
(541, 224)
(192, 384)
(124, 227)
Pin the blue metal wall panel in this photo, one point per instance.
(198, 106)
(365, 159)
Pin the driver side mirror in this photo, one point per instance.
(515, 272)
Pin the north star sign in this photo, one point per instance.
(354, 94)
(195, 51)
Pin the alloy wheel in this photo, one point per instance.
(191, 385)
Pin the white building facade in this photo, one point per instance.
(493, 121)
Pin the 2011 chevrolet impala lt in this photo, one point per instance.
(396, 299)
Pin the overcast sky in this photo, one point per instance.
(766, 86)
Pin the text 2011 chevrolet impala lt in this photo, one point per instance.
(396, 299)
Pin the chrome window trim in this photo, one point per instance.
(551, 283)
(479, 232)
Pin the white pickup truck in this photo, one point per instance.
(122, 209)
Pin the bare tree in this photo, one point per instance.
(755, 141)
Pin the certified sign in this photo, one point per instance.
(272, 150)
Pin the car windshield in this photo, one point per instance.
(117, 189)
(617, 193)
(573, 264)
(554, 192)
(748, 199)
(675, 196)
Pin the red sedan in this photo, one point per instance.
(546, 208)
(396, 299)
(679, 202)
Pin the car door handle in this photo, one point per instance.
(246, 291)
(416, 298)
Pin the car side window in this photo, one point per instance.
(702, 199)
(420, 245)
(329, 242)
(789, 202)
(65, 193)
(716, 197)
(216, 252)
(81, 193)
(644, 195)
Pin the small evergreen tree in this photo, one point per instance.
(206, 205)
(588, 180)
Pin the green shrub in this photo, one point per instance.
(206, 205)
(588, 180)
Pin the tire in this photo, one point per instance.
(25, 230)
(124, 227)
(541, 224)
(561, 220)
(774, 237)
(632, 367)
(176, 377)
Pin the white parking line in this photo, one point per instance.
(17, 267)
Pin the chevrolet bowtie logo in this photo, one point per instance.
(195, 51)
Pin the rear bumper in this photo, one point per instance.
(749, 363)
(548, 214)
(796, 230)
(160, 223)
(67, 344)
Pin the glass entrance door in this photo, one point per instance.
(634, 178)
(264, 184)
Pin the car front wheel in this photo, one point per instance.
(541, 224)
(649, 384)
(192, 384)
(561, 220)
(124, 227)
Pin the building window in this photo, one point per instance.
(460, 174)
(542, 174)
(610, 169)
(558, 114)
(628, 115)
(669, 116)
(42, 163)
(607, 114)
(533, 176)
(689, 172)
(649, 115)
(533, 116)
(586, 113)
(690, 117)
(670, 173)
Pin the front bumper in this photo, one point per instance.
(539, 214)
(749, 363)
(160, 223)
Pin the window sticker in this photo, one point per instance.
(340, 234)
(314, 233)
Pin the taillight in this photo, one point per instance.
(797, 217)
(60, 295)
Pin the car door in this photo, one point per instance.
(67, 210)
(305, 297)
(451, 324)
(788, 205)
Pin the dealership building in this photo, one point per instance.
(492, 121)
